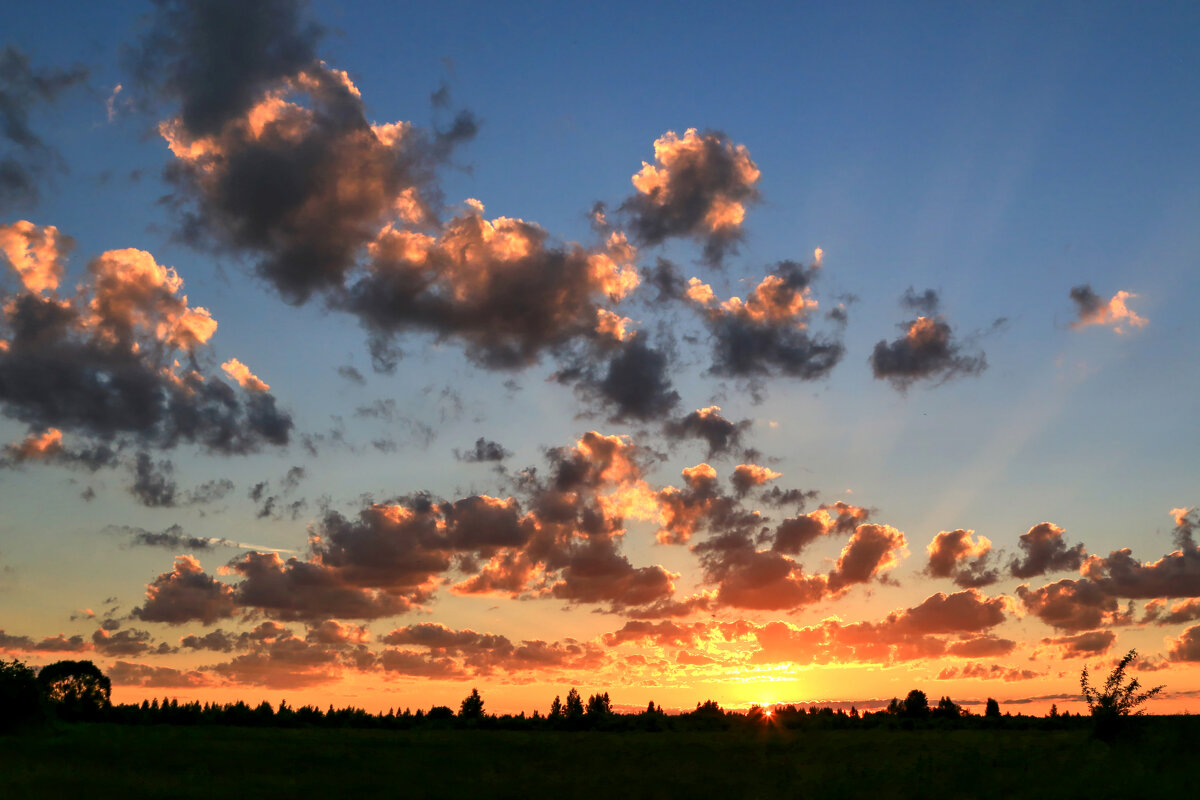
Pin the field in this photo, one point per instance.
(104, 760)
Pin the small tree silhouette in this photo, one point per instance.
(472, 706)
(1119, 698)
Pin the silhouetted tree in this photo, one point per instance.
(1119, 697)
(556, 708)
(440, 713)
(574, 706)
(75, 689)
(20, 696)
(916, 705)
(992, 709)
(472, 706)
(947, 709)
(599, 706)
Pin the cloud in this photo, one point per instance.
(173, 538)
(124, 673)
(767, 334)
(48, 644)
(352, 375)
(105, 363)
(38, 254)
(484, 450)
(128, 642)
(910, 634)
(1092, 310)
(747, 476)
(243, 376)
(983, 672)
(1186, 647)
(154, 486)
(926, 350)
(1183, 611)
(697, 187)
(448, 652)
(722, 435)
(926, 303)
(635, 385)
(1092, 643)
(872, 550)
(1176, 574)
(953, 554)
(186, 594)
(1070, 604)
(1045, 551)
(25, 157)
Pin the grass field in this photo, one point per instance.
(104, 760)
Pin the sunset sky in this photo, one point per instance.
(363, 353)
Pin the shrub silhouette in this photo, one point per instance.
(1118, 699)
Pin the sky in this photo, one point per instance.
(365, 353)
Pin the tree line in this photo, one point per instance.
(78, 691)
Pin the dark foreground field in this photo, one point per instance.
(104, 760)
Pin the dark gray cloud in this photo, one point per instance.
(352, 375)
(769, 333)
(634, 384)
(172, 538)
(1045, 550)
(926, 351)
(925, 303)
(722, 435)
(154, 485)
(24, 156)
(216, 58)
(484, 450)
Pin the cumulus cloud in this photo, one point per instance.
(633, 384)
(24, 157)
(953, 554)
(1176, 574)
(1045, 550)
(186, 593)
(1070, 604)
(926, 351)
(768, 333)
(105, 363)
(1186, 647)
(698, 187)
(746, 476)
(1094, 310)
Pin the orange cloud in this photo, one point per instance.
(38, 254)
(245, 378)
(1114, 313)
(37, 445)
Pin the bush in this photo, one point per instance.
(1117, 700)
